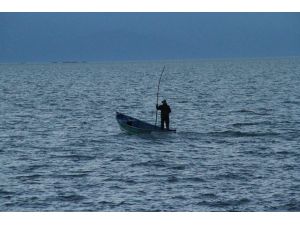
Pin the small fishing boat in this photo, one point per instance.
(133, 125)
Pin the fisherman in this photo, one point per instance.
(164, 116)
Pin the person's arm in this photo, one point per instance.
(158, 107)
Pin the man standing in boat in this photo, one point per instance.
(164, 116)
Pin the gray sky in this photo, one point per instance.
(31, 37)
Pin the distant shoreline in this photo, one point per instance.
(153, 60)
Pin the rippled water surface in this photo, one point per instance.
(237, 147)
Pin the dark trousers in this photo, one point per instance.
(165, 120)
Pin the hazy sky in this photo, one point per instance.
(26, 37)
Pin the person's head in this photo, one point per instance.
(164, 101)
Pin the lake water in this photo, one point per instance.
(237, 146)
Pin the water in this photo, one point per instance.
(237, 147)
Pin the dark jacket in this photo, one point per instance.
(165, 110)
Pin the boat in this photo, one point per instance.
(133, 125)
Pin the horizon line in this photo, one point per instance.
(72, 61)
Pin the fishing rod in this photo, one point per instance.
(158, 92)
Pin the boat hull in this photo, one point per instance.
(133, 125)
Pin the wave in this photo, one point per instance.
(292, 206)
(178, 167)
(208, 195)
(6, 194)
(231, 133)
(75, 157)
(31, 168)
(292, 102)
(71, 198)
(225, 134)
(126, 180)
(155, 163)
(252, 124)
(172, 179)
(179, 197)
(75, 175)
(225, 203)
(194, 179)
(263, 112)
(29, 177)
(118, 159)
(231, 176)
(111, 204)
